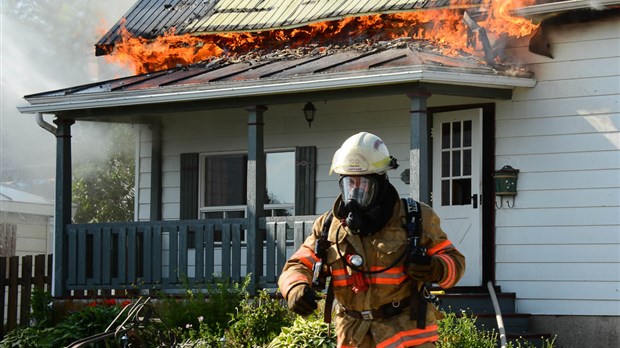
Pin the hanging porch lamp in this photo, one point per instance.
(309, 113)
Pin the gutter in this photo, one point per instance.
(310, 85)
(45, 125)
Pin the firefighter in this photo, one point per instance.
(379, 284)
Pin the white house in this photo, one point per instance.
(451, 122)
(32, 217)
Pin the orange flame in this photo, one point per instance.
(443, 27)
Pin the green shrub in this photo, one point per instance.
(202, 313)
(257, 321)
(91, 320)
(42, 309)
(461, 332)
(310, 332)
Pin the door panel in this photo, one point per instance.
(457, 150)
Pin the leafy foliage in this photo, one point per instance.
(202, 314)
(225, 310)
(41, 304)
(89, 321)
(257, 321)
(310, 332)
(103, 186)
(461, 332)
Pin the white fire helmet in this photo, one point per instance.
(361, 154)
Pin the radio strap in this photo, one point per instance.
(414, 234)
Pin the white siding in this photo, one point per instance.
(143, 174)
(33, 232)
(285, 127)
(558, 249)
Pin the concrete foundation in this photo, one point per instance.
(579, 331)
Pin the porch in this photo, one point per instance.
(169, 255)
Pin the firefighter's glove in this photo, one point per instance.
(427, 272)
(302, 300)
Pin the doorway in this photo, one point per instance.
(458, 185)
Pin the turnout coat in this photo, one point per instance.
(362, 298)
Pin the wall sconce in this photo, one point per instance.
(506, 185)
(309, 113)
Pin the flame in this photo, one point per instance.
(443, 27)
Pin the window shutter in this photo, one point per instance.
(305, 177)
(189, 186)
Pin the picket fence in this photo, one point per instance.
(16, 287)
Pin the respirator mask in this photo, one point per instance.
(359, 193)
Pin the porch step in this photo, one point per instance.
(480, 305)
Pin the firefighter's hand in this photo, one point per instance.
(428, 273)
(302, 300)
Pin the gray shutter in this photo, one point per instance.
(305, 178)
(189, 186)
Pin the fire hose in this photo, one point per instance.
(498, 315)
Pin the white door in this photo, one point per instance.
(457, 154)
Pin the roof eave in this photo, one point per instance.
(312, 83)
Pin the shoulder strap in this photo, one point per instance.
(417, 255)
(320, 251)
(326, 224)
(414, 219)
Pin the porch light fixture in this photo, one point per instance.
(309, 113)
(506, 185)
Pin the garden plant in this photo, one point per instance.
(220, 314)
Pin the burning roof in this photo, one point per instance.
(156, 35)
(361, 54)
(152, 18)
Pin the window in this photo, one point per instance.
(214, 186)
(224, 189)
(456, 163)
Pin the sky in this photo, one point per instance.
(47, 45)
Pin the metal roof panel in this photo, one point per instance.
(151, 18)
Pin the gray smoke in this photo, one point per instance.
(46, 45)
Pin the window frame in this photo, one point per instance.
(225, 210)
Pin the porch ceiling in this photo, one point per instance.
(285, 76)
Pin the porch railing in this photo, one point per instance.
(171, 254)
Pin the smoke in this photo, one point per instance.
(46, 45)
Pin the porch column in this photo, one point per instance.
(63, 204)
(256, 179)
(419, 153)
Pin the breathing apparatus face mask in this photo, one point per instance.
(362, 189)
(358, 194)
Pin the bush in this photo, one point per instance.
(461, 332)
(89, 321)
(311, 332)
(257, 321)
(201, 314)
(455, 331)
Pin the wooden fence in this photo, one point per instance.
(16, 287)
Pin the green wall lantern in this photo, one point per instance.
(506, 184)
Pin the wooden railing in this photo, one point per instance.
(16, 287)
(167, 255)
